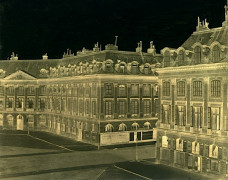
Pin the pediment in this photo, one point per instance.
(19, 75)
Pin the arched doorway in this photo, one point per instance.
(20, 122)
(9, 121)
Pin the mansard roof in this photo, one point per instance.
(207, 37)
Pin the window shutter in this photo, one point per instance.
(201, 116)
(206, 150)
(185, 146)
(220, 153)
(176, 116)
(209, 118)
(184, 115)
(193, 117)
(162, 113)
(201, 149)
(174, 144)
(169, 114)
(189, 148)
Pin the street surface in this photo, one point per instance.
(42, 155)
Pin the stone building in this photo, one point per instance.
(192, 131)
(101, 97)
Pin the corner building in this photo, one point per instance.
(192, 131)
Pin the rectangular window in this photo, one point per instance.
(94, 110)
(20, 103)
(134, 90)
(166, 88)
(215, 118)
(108, 89)
(9, 102)
(108, 107)
(166, 114)
(146, 106)
(81, 106)
(181, 88)
(146, 90)
(30, 103)
(87, 91)
(215, 88)
(134, 106)
(42, 89)
(122, 90)
(94, 90)
(197, 116)
(87, 107)
(10, 90)
(63, 104)
(20, 90)
(122, 107)
(180, 115)
(197, 88)
(42, 103)
(30, 90)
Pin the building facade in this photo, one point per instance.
(87, 97)
(192, 131)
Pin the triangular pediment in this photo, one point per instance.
(19, 75)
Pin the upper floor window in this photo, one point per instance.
(215, 88)
(122, 90)
(197, 88)
(180, 115)
(9, 102)
(135, 107)
(166, 59)
(94, 107)
(30, 90)
(108, 89)
(195, 147)
(134, 90)
(166, 88)
(20, 90)
(122, 107)
(108, 108)
(181, 57)
(213, 118)
(179, 144)
(30, 103)
(10, 90)
(181, 88)
(134, 67)
(213, 151)
(216, 53)
(165, 142)
(197, 55)
(135, 126)
(147, 125)
(197, 116)
(166, 113)
(42, 89)
(146, 90)
(146, 106)
(20, 102)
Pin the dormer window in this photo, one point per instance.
(166, 59)
(197, 55)
(195, 147)
(181, 58)
(165, 142)
(216, 53)
(213, 151)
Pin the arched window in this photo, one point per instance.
(197, 55)
(216, 53)
(181, 57)
(135, 126)
(122, 127)
(109, 128)
(147, 125)
(9, 120)
(166, 59)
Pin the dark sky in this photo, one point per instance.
(31, 28)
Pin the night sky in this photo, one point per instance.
(31, 28)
